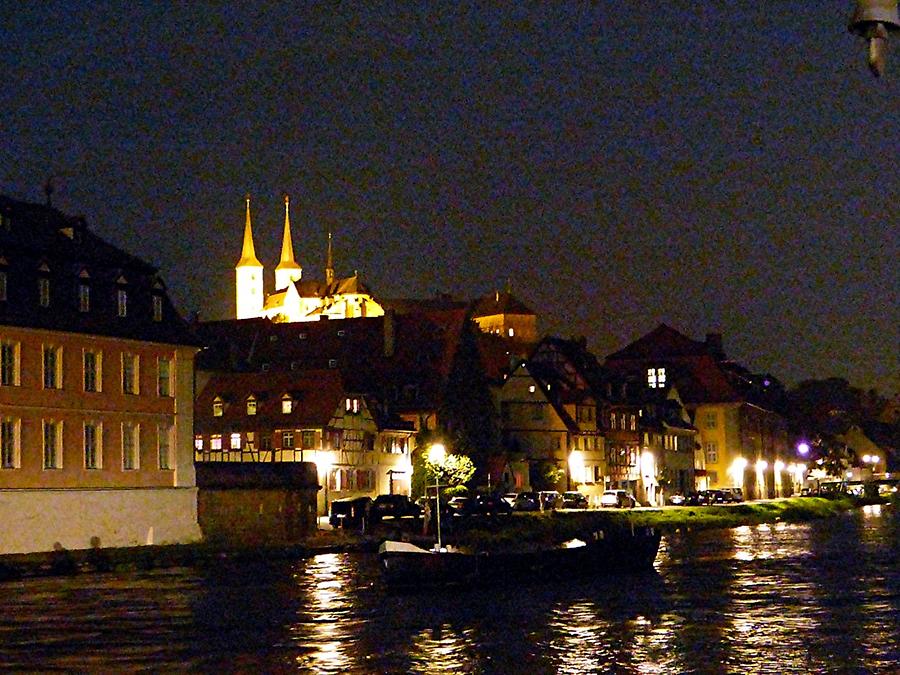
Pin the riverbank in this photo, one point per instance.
(501, 532)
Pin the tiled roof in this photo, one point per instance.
(662, 342)
(499, 303)
(39, 241)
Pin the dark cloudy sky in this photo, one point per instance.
(720, 166)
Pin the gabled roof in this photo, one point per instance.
(499, 303)
(662, 342)
(317, 394)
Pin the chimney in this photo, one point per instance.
(714, 345)
(389, 333)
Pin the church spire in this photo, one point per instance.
(329, 264)
(248, 253)
(287, 270)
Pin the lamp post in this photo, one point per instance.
(436, 455)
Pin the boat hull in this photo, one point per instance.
(410, 567)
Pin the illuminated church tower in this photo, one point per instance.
(249, 276)
(287, 271)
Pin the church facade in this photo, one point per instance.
(296, 299)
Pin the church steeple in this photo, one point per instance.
(287, 270)
(329, 264)
(248, 276)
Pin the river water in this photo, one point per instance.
(809, 598)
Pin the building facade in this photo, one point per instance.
(96, 392)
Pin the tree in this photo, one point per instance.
(453, 474)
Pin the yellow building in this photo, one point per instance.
(296, 299)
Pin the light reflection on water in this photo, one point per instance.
(782, 598)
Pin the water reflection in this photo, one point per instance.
(783, 598)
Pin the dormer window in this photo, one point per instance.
(251, 406)
(157, 308)
(122, 302)
(352, 405)
(287, 404)
(84, 298)
(656, 378)
(44, 292)
(218, 407)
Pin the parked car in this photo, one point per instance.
(617, 498)
(490, 504)
(574, 500)
(459, 504)
(706, 497)
(510, 498)
(526, 501)
(350, 513)
(733, 494)
(676, 500)
(395, 506)
(549, 499)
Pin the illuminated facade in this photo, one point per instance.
(96, 392)
(296, 299)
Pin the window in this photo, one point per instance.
(656, 378)
(218, 407)
(287, 439)
(2, 286)
(712, 420)
(44, 292)
(122, 302)
(365, 479)
(93, 437)
(713, 477)
(198, 443)
(622, 421)
(84, 298)
(712, 453)
(164, 377)
(157, 308)
(131, 446)
(130, 373)
(52, 444)
(308, 439)
(612, 420)
(52, 367)
(287, 405)
(9, 364)
(332, 363)
(10, 455)
(352, 405)
(632, 423)
(265, 442)
(235, 441)
(537, 411)
(92, 371)
(251, 406)
(164, 446)
(215, 442)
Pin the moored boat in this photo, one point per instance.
(405, 565)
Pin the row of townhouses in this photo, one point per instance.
(113, 409)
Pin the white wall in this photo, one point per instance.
(34, 519)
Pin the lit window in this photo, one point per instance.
(9, 364)
(512, 332)
(356, 405)
(308, 439)
(10, 448)
(52, 367)
(711, 420)
(251, 406)
(122, 302)
(218, 408)
(164, 446)
(157, 308)
(131, 458)
(235, 441)
(287, 405)
(44, 292)
(612, 420)
(287, 439)
(531, 389)
(130, 373)
(632, 423)
(198, 443)
(656, 378)
(712, 453)
(93, 437)
(84, 298)
(215, 442)
(52, 444)
(661, 377)
(92, 373)
(164, 377)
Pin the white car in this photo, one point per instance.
(617, 498)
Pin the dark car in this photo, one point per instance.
(526, 501)
(574, 500)
(550, 499)
(350, 513)
(395, 506)
(490, 504)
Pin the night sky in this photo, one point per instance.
(720, 166)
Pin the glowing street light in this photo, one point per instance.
(803, 448)
(437, 453)
(779, 466)
(576, 466)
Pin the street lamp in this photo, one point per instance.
(436, 455)
(576, 467)
(873, 20)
